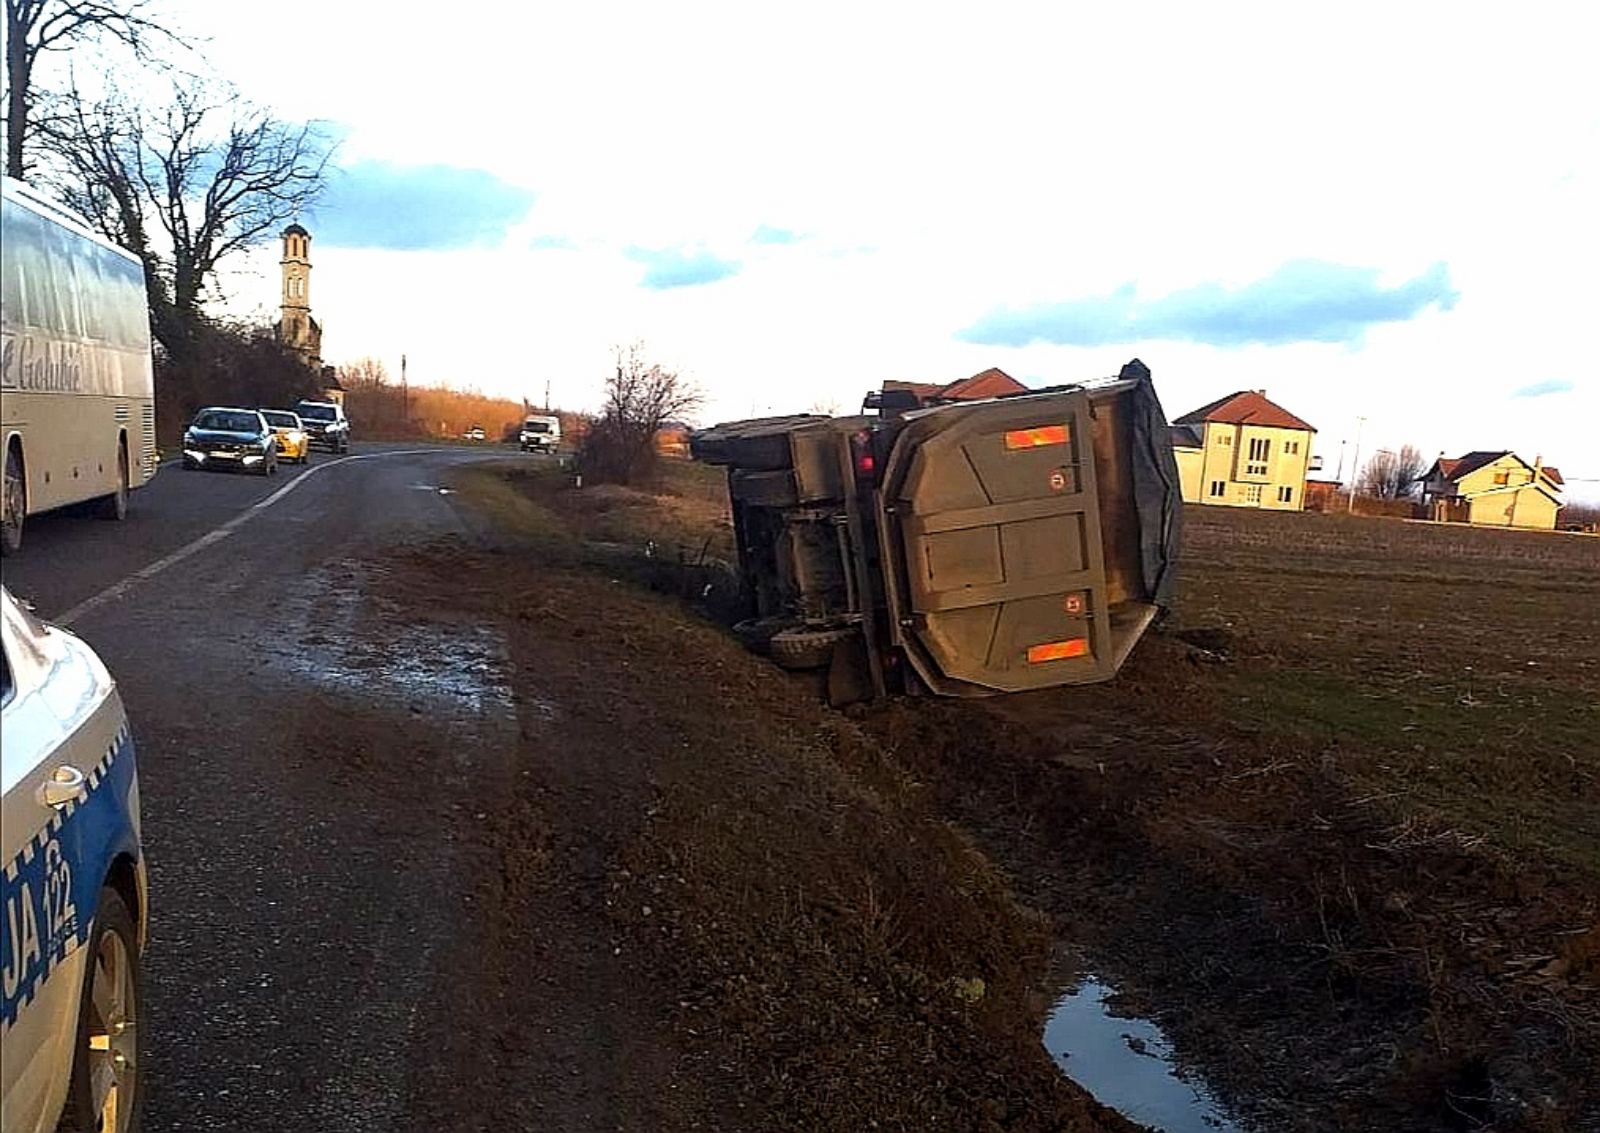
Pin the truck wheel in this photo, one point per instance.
(16, 504)
(115, 506)
(807, 648)
(104, 1091)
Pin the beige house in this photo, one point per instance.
(1497, 489)
(1243, 451)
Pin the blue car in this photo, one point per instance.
(73, 900)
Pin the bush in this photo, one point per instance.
(619, 446)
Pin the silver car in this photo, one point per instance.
(73, 905)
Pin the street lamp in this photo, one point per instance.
(1355, 470)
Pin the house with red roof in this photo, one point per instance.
(992, 382)
(1494, 488)
(1243, 451)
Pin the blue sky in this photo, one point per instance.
(1340, 211)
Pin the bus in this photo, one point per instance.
(77, 386)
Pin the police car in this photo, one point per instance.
(72, 894)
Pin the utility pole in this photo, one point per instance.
(547, 395)
(1355, 469)
(405, 393)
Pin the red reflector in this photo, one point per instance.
(864, 464)
(1037, 438)
(1058, 650)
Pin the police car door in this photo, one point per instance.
(39, 982)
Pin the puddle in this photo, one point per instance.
(1127, 1065)
(458, 665)
(339, 639)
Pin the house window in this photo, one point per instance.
(1252, 493)
(1291, 447)
(1225, 439)
(1502, 478)
(1285, 495)
(1218, 487)
(1260, 447)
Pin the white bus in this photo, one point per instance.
(77, 389)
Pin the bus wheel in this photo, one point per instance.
(16, 504)
(115, 506)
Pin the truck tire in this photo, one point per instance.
(807, 648)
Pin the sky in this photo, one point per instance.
(1381, 215)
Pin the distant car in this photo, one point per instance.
(327, 424)
(540, 434)
(221, 437)
(294, 442)
(73, 894)
(476, 433)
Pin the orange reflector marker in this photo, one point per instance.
(1037, 438)
(1058, 650)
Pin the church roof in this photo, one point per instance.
(295, 230)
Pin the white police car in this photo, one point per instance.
(72, 894)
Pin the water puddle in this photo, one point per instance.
(458, 666)
(1127, 1065)
(342, 638)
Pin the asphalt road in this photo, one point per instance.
(306, 758)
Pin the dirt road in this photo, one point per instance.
(431, 848)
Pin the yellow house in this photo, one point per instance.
(1497, 489)
(1243, 451)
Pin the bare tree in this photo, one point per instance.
(1391, 475)
(34, 27)
(183, 186)
(640, 398)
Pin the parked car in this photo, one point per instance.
(73, 894)
(222, 437)
(476, 433)
(327, 424)
(294, 442)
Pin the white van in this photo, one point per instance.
(540, 434)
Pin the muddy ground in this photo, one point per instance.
(1335, 827)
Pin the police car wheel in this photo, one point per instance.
(104, 1093)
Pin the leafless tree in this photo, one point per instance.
(182, 186)
(34, 27)
(1391, 475)
(640, 398)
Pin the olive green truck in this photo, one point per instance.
(965, 549)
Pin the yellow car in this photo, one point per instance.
(294, 443)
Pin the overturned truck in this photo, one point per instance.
(966, 549)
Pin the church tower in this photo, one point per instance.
(296, 327)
